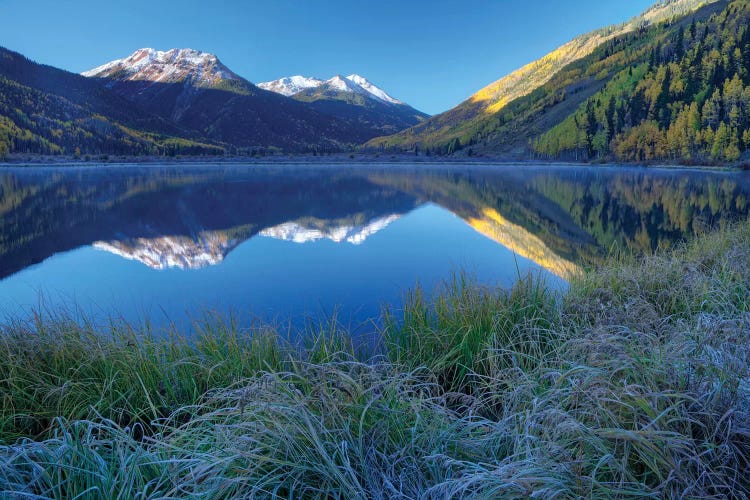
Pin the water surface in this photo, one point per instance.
(293, 242)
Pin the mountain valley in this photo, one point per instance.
(670, 85)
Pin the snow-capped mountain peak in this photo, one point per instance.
(356, 84)
(342, 84)
(372, 89)
(171, 66)
(291, 85)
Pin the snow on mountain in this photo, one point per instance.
(357, 84)
(342, 84)
(176, 65)
(291, 85)
(206, 249)
(372, 89)
(356, 235)
(202, 69)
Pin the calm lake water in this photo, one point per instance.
(291, 243)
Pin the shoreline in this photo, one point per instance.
(344, 159)
(631, 374)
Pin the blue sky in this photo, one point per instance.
(432, 54)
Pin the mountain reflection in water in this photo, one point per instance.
(192, 217)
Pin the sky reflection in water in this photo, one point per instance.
(285, 243)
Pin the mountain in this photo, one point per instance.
(183, 102)
(195, 90)
(685, 98)
(44, 110)
(174, 66)
(354, 99)
(670, 85)
(504, 116)
(371, 89)
(291, 85)
(352, 84)
(153, 103)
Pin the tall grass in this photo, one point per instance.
(58, 367)
(634, 383)
(464, 331)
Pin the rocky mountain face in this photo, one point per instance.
(353, 84)
(173, 66)
(290, 85)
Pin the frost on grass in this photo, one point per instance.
(634, 383)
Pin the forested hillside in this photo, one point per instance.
(688, 101)
(677, 91)
(48, 111)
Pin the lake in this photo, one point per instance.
(296, 243)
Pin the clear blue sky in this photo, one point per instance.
(432, 54)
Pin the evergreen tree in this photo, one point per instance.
(454, 146)
(679, 51)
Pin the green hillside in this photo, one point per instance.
(688, 101)
(509, 116)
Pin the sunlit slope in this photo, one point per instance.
(530, 225)
(467, 118)
(686, 102)
(522, 242)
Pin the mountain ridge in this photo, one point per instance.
(292, 85)
(49, 111)
(353, 98)
(170, 66)
(668, 85)
(446, 131)
(197, 91)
